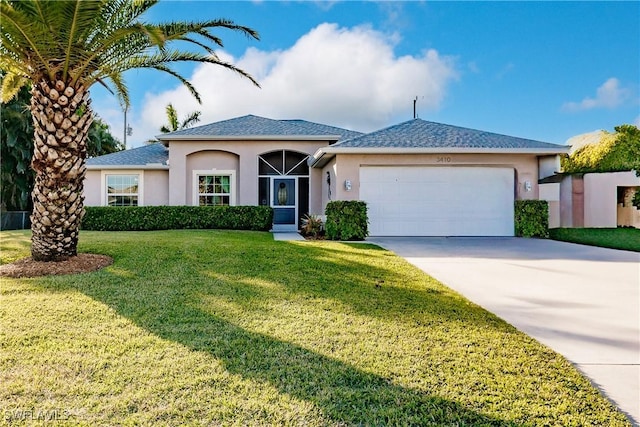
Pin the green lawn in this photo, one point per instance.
(616, 238)
(232, 328)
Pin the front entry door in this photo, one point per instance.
(283, 184)
(283, 201)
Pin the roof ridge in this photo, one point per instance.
(418, 132)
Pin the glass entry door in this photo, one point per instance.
(283, 202)
(283, 184)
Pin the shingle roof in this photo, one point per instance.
(418, 133)
(312, 128)
(140, 156)
(251, 125)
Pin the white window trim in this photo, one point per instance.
(232, 181)
(103, 183)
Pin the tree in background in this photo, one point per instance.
(62, 48)
(615, 152)
(16, 150)
(100, 140)
(174, 124)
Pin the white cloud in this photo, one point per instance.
(346, 77)
(325, 5)
(473, 67)
(637, 121)
(505, 70)
(608, 95)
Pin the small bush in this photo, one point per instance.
(312, 226)
(636, 199)
(532, 218)
(347, 220)
(142, 218)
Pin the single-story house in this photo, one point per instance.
(418, 178)
(593, 200)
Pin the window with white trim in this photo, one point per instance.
(122, 190)
(214, 188)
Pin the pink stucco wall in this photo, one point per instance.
(154, 186)
(600, 196)
(347, 167)
(240, 155)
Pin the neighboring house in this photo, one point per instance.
(601, 200)
(418, 178)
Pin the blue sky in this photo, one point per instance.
(540, 70)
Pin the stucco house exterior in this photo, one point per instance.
(592, 200)
(418, 178)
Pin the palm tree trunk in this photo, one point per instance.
(61, 118)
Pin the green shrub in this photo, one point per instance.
(142, 218)
(312, 226)
(532, 218)
(636, 199)
(346, 220)
(615, 152)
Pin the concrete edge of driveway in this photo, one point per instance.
(581, 301)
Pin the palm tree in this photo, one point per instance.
(62, 48)
(174, 124)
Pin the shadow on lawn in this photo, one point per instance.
(344, 394)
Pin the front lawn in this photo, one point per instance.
(616, 238)
(233, 328)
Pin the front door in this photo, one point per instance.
(283, 202)
(283, 184)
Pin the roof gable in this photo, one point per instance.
(251, 126)
(153, 154)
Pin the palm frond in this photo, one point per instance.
(208, 49)
(121, 90)
(172, 116)
(11, 85)
(96, 41)
(192, 90)
(172, 56)
(80, 16)
(21, 36)
(190, 120)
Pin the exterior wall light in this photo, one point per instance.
(527, 186)
(347, 185)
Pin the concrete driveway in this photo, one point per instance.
(582, 301)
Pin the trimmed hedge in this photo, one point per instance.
(532, 218)
(143, 218)
(346, 220)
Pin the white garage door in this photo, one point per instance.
(438, 201)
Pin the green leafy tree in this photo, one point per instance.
(64, 47)
(615, 152)
(16, 149)
(174, 124)
(100, 141)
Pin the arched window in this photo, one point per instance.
(283, 162)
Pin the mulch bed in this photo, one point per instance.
(83, 263)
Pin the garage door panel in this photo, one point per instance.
(438, 201)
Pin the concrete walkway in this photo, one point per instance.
(287, 236)
(582, 301)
